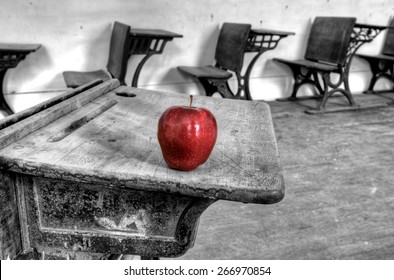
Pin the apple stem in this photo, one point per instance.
(191, 100)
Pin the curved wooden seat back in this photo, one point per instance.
(329, 39)
(231, 45)
(119, 50)
(388, 47)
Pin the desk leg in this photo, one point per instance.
(3, 103)
(10, 236)
(222, 86)
(246, 78)
(148, 46)
(139, 68)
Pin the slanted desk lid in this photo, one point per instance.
(118, 146)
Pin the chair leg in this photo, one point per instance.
(209, 88)
(328, 84)
(297, 81)
(301, 79)
(376, 72)
(375, 75)
(379, 69)
(326, 93)
(224, 90)
(347, 92)
(317, 83)
(213, 85)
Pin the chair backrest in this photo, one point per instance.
(118, 51)
(231, 46)
(388, 47)
(329, 39)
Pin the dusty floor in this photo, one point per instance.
(339, 201)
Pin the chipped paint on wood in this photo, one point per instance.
(75, 218)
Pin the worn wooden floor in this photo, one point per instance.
(339, 202)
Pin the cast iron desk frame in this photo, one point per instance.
(259, 41)
(362, 33)
(148, 42)
(10, 56)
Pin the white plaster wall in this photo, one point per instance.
(75, 36)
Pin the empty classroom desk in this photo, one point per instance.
(148, 42)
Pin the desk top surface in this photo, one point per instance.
(370, 26)
(119, 147)
(19, 47)
(153, 33)
(263, 31)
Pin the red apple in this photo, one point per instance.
(186, 136)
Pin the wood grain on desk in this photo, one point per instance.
(120, 147)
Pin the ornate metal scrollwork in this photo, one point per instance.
(361, 34)
(10, 60)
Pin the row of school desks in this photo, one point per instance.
(104, 189)
(12, 54)
(260, 40)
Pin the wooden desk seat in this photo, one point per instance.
(207, 72)
(75, 79)
(320, 66)
(382, 64)
(326, 53)
(229, 56)
(117, 61)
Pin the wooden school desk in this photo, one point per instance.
(82, 175)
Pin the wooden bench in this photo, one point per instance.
(326, 53)
(382, 64)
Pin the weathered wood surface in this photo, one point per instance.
(14, 118)
(76, 220)
(10, 234)
(120, 147)
(20, 129)
(90, 177)
(339, 201)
